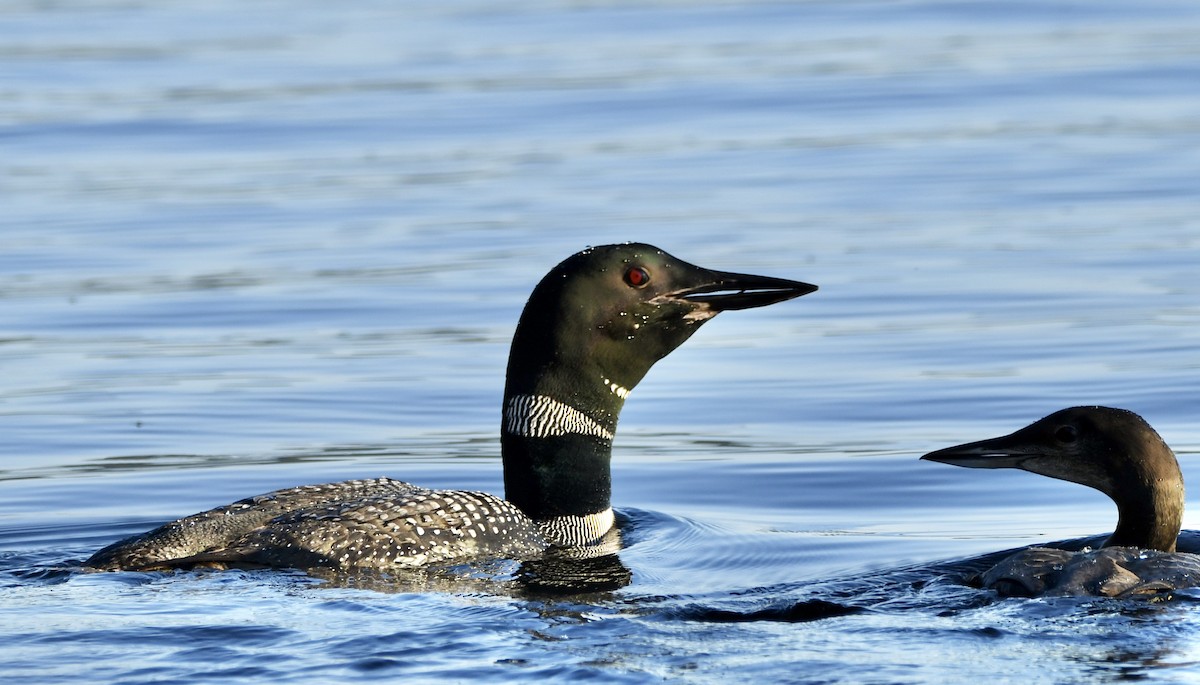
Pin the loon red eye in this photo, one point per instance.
(1066, 434)
(637, 277)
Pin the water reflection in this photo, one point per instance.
(554, 576)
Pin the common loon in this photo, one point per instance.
(1116, 452)
(590, 331)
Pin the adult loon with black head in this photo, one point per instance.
(1116, 452)
(590, 331)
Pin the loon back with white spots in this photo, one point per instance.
(590, 331)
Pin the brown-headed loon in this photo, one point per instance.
(590, 331)
(1116, 452)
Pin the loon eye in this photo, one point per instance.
(1066, 434)
(637, 277)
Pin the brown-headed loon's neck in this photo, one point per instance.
(1150, 513)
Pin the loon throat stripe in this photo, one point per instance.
(538, 416)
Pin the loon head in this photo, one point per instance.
(599, 320)
(1112, 450)
(589, 333)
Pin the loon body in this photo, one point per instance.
(590, 331)
(1116, 452)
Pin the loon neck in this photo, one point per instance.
(1150, 518)
(1144, 480)
(557, 452)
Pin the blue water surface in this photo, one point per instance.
(247, 246)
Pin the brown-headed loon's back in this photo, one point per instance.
(590, 331)
(1116, 452)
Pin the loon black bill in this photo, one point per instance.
(984, 454)
(730, 291)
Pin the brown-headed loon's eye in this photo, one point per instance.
(637, 277)
(1066, 434)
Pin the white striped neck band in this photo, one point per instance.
(539, 416)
